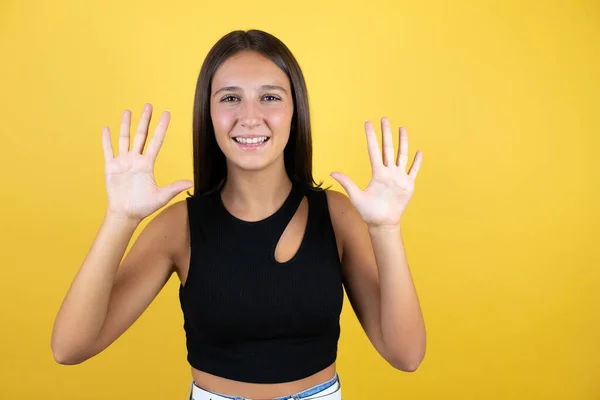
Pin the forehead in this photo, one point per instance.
(249, 69)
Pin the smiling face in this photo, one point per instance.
(251, 107)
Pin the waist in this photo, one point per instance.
(220, 385)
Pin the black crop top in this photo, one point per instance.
(248, 317)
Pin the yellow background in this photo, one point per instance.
(503, 98)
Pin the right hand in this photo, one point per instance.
(130, 185)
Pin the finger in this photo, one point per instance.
(373, 146)
(350, 187)
(142, 130)
(168, 192)
(387, 142)
(416, 166)
(402, 157)
(124, 132)
(159, 135)
(107, 145)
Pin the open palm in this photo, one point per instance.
(130, 184)
(385, 198)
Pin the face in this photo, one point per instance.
(251, 108)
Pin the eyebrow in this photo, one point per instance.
(237, 88)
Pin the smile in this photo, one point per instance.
(251, 144)
(254, 140)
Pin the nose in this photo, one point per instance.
(251, 115)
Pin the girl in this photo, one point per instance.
(263, 253)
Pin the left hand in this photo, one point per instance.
(384, 200)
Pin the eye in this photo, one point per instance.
(229, 98)
(271, 97)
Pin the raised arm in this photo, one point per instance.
(107, 295)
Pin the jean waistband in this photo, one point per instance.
(329, 390)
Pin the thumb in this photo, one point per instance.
(349, 186)
(172, 190)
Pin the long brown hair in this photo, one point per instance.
(210, 169)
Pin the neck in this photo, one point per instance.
(255, 195)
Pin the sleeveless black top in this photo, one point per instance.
(248, 317)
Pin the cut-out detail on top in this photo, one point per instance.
(291, 240)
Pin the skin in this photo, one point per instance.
(241, 105)
(107, 296)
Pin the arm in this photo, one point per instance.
(376, 268)
(379, 286)
(105, 299)
(402, 324)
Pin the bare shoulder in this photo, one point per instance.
(345, 220)
(342, 212)
(162, 238)
(177, 236)
(172, 225)
(160, 244)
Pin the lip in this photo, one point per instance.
(249, 136)
(251, 147)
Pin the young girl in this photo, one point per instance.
(263, 253)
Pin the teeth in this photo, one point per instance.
(251, 140)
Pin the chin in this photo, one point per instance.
(253, 164)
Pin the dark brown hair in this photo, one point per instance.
(210, 169)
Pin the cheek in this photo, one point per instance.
(280, 118)
(222, 120)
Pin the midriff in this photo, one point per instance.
(259, 391)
